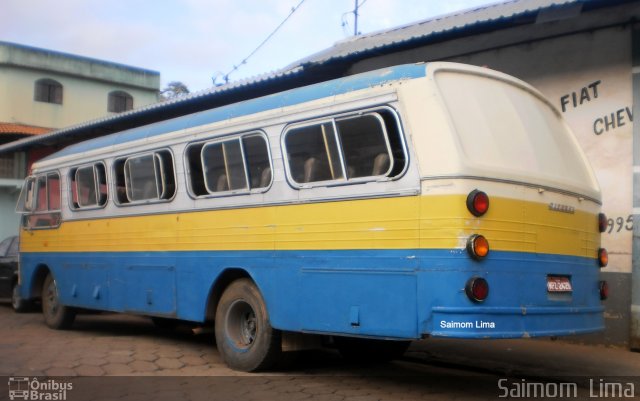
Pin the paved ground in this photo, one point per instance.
(105, 355)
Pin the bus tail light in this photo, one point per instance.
(604, 290)
(477, 289)
(477, 246)
(477, 202)
(602, 222)
(603, 257)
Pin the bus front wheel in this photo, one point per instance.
(245, 339)
(56, 315)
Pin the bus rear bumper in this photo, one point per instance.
(513, 322)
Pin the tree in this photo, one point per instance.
(174, 89)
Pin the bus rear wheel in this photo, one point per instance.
(56, 315)
(245, 339)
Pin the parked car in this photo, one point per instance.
(9, 273)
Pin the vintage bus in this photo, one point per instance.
(368, 211)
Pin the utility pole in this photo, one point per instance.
(355, 14)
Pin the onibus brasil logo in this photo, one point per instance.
(34, 389)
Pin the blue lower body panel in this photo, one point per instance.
(374, 293)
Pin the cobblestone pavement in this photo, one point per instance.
(112, 356)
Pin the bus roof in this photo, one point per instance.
(247, 107)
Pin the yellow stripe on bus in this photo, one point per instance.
(428, 222)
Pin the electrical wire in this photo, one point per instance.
(244, 61)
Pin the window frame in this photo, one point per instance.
(125, 159)
(55, 215)
(218, 140)
(373, 111)
(114, 96)
(74, 170)
(50, 83)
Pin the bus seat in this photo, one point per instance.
(380, 164)
(310, 167)
(222, 184)
(265, 177)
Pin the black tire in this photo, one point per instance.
(56, 315)
(18, 304)
(369, 350)
(165, 323)
(245, 339)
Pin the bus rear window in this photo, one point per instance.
(506, 131)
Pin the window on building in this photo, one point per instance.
(120, 101)
(48, 91)
(148, 177)
(240, 164)
(88, 186)
(358, 147)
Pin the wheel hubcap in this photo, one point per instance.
(51, 298)
(242, 324)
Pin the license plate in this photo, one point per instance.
(558, 284)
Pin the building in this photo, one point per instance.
(582, 54)
(42, 91)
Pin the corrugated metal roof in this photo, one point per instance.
(466, 20)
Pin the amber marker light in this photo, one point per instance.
(477, 289)
(602, 222)
(603, 257)
(477, 246)
(477, 202)
(604, 290)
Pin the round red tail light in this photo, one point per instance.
(477, 202)
(603, 257)
(477, 246)
(602, 222)
(604, 290)
(477, 289)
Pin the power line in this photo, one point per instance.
(244, 61)
(357, 5)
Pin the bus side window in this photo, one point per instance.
(257, 156)
(365, 146)
(313, 153)
(239, 164)
(361, 146)
(46, 211)
(148, 177)
(88, 186)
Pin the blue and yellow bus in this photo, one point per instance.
(420, 200)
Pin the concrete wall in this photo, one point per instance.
(86, 84)
(83, 99)
(587, 73)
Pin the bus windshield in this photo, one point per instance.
(508, 132)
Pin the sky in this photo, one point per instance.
(195, 41)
